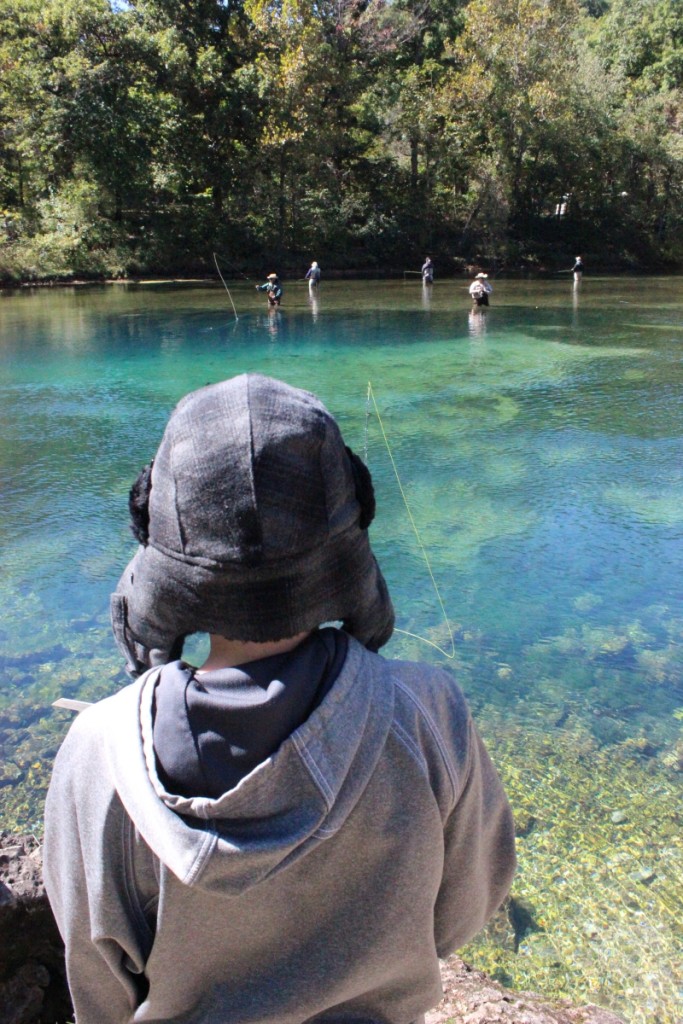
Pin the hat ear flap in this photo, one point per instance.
(365, 492)
(138, 504)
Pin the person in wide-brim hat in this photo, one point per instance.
(272, 288)
(480, 289)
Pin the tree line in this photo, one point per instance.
(143, 136)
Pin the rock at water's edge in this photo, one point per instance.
(471, 997)
(33, 987)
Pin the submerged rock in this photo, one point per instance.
(525, 822)
(637, 747)
(10, 773)
(645, 876)
(674, 758)
(58, 652)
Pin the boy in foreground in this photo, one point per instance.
(297, 830)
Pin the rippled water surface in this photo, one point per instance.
(538, 449)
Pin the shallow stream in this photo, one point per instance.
(538, 449)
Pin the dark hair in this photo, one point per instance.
(365, 492)
(138, 504)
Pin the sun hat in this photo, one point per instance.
(271, 276)
(253, 522)
(482, 275)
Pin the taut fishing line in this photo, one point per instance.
(416, 636)
(215, 260)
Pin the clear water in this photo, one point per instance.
(538, 450)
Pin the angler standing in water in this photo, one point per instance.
(296, 830)
(272, 288)
(313, 275)
(577, 269)
(480, 289)
(428, 271)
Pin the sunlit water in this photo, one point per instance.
(538, 453)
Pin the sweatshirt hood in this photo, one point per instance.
(289, 803)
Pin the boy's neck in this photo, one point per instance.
(228, 653)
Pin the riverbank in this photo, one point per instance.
(33, 987)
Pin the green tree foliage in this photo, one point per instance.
(515, 85)
(643, 39)
(142, 135)
(29, 137)
(640, 45)
(306, 73)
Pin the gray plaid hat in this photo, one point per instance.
(253, 525)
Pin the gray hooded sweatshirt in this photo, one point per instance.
(323, 887)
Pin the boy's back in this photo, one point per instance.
(369, 836)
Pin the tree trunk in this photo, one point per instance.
(20, 175)
(413, 164)
(282, 206)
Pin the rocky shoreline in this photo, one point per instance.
(33, 986)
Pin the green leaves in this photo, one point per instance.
(366, 129)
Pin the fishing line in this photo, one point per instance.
(215, 260)
(416, 636)
(237, 269)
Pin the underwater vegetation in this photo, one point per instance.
(597, 904)
(35, 670)
(586, 729)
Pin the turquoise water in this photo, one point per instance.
(538, 450)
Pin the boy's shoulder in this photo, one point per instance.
(431, 684)
(429, 692)
(432, 715)
(114, 716)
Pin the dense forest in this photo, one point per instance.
(140, 137)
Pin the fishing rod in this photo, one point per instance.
(215, 260)
(68, 704)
